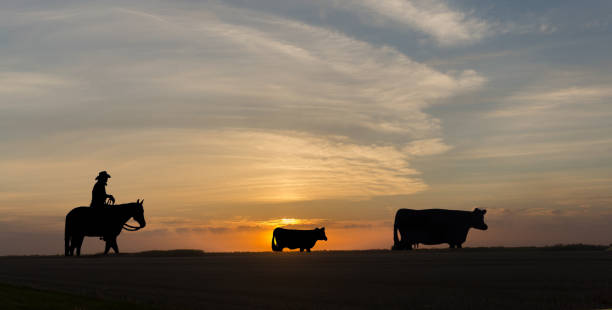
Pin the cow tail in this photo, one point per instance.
(396, 242)
(275, 246)
(66, 239)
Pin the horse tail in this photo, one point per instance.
(67, 238)
(275, 246)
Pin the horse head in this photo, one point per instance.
(138, 215)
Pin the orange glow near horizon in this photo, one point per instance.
(283, 221)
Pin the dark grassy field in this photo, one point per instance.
(23, 298)
(528, 278)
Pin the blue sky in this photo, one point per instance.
(231, 116)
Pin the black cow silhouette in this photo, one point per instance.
(435, 226)
(294, 238)
(104, 222)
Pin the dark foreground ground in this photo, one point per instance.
(502, 279)
(24, 298)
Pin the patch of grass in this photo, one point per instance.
(156, 253)
(575, 247)
(169, 253)
(24, 298)
(556, 247)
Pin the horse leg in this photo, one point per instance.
(77, 242)
(107, 246)
(114, 245)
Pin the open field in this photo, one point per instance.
(435, 279)
(23, 298)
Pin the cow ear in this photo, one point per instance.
(322, 228)
(484, 211)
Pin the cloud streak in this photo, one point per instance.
(546, 101)
(447, 26)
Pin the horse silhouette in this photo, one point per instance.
(106, 223)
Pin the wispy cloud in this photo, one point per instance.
(448, 26)
(543, 101)
(287, 110)
(539, 148)
(31, 83)
(259, 70)
(426, 147)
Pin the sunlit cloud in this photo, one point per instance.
(283, 222)
(232, 165)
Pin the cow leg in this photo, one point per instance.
(308, 249)
(405, 242)
(68, 249)
(301, 249)
(71, 249)
(458, 245)
(67, 245)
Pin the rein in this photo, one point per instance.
(130, 227)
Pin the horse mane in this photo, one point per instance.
(123, 205)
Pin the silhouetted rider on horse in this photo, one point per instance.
(98, 194)
(101, 219)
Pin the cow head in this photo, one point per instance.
(478, 219)
(321, 233)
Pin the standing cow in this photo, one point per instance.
(294, 239)
(435, 226)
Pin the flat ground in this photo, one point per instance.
(440, 279)
(23, 298)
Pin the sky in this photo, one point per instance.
(231, 118)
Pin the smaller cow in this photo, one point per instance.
(294, 238)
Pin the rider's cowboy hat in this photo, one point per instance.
(103, 175)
